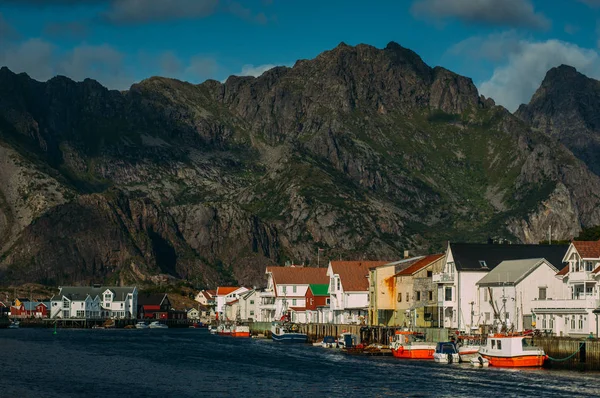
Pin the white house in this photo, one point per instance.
(285, 294)
(507, 293)
(206, 297)
(225, 295)
(349, 290)
(193, 313)
(94, 302)
(572, 314)
(249, 306)
(465, 265)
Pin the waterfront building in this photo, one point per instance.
(317, 303)
(574, 313)
(226, 294)
(466, 263)
(29, 309)
(382, 291)
(206, 297)
(153, 306)
(285, 294)
(349, 290)
(416, 295)
(84, 302)
(249, 306)
(193, 313)
(507, 294)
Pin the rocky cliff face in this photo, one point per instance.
(363, 152)
(566, 108)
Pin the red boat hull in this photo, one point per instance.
(414, 353)
(240, 334)
(516, 362)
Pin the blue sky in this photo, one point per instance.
(506, 46)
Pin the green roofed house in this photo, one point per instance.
(317, 303)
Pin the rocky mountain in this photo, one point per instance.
(566, 108)
(362, 152)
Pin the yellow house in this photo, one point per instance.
(381, 294)
(416, 295)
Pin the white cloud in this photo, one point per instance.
(251, 70)
(515, 13)
(495, 47)
(514, 82)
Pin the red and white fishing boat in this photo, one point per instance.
(410, 345)
(512, 350)
(224, 330)
(468, 347)
(240, 331)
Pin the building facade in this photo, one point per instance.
(94, 302)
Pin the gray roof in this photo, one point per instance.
(81, 292)
(512, 272)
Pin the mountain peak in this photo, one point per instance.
(561, 73)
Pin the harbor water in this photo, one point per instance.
(192, 363)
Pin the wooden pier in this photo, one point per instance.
(570, 353)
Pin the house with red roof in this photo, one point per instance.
(349, 290)
(572, 314)
(206, 297)
(224, 295)
(285, 295)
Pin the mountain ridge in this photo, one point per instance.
(363, 152)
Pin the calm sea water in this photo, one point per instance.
(192, 363)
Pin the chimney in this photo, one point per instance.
(405, 253)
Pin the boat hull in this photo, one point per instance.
(516, 362)
(467, 355)
(446, 358)
(240, 334)
(290, 338)
(414, 352)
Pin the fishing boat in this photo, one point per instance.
(142, 325)
(446, 352)
(468, 347)
(240, 331)
(287, 333)
(157, 325)
(512, 350)
(224, 330)
(411, 345)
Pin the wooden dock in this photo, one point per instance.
(570, 353)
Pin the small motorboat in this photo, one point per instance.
(411, 345)
(212, 329)
(446, 353)
(14, 325)
(479, 362)
(468, 347)
(284, 332)
(327, 342)
(142, 325)
(512, 351)
(157, 325)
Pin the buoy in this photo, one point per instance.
(54, 328)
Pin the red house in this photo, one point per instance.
(29, 309)
(317, 295)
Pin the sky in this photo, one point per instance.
(505, 46)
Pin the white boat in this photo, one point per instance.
(142, 325)
(479, 362)
(446, 353)
(212, 330)
(287, 333)
(512, 351)
(14, 325)
(327, 342)
(157, 325)
(468, 347)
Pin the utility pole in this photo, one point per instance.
(472, 314)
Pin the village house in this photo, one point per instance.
(249, 310)
(466, 263)
(154, 306)
(349, 290)
(575, 312)
(29, 309)
(94, 302)
(225, 295)
(507, 293)
(416, 294)
(317, 303)
(193, 314)
(286, 290)
(206, 297)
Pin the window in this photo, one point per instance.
(588, 266)
(499, 344)
(482, 264)
(485, 295)
(418, 296)
(80, 314)
(429, 274)
(107, 297)
(283, 288)
(542, 293)
(294, 289)
(121, 305)
(430, 295)
(407, 298)
(580, 322)
(293, 301)
(551, 323)
(339, 284)
(66, 304)
(493, 344)
(573, 323)
(399, 297)
(544, 322)
(448, 294)
(251, 313)
(66, 314)
(251, 302)
(327, 301)
(487, 317)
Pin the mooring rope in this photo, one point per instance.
(569, 357)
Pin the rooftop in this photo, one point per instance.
(587, 249)
(298, 275)
(512, 272)
(353, 274)
(420, 264)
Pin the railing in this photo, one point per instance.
(581, 276)
(442, 277)
(586, 302)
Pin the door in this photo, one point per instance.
(527, 321)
